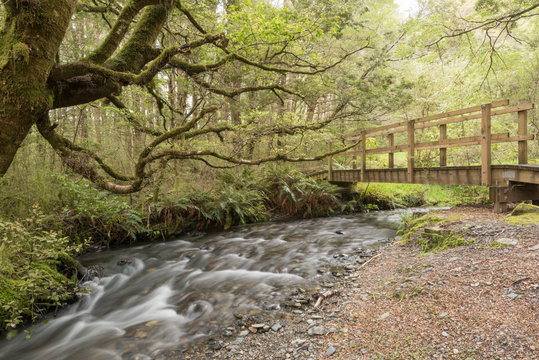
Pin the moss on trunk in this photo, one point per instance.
(29, 42)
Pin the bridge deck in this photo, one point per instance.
(450, 175)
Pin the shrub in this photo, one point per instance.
(37, 271)
(89, 213)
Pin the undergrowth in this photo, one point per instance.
(37, 271)
(413, 229)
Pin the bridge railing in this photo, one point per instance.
(486, 138)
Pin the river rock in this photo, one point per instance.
(507, 241)
(298, 342)
(238, 341)
(244, 333)
(317, 330)
(331, 350)
(276, 327)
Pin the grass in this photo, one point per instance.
(413, 195)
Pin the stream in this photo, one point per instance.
(159, 296)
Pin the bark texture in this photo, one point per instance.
(29, 42)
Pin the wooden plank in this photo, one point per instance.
(411, 144)
(513, 109)
(391, 156)
(495, 104)
(420, 123)
(443, 151)
(363, 164)
(486, 141)
(477, 116)
(388, 149)
(330, 163)
(449, 121)
(465, 141)
(518, 138)
(442, 144)
(388, 132)
(522, 130)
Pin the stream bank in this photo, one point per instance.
(478, 301)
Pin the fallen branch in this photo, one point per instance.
(324, 295)
(368, 261)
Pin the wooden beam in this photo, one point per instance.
(388, 132)
(442, 144)
(330, 163)
(390, 155)
(477, 116)
(465, 141)
(411, 144)
(486, 142)
(443, 151)
(522, 130)
(363, 155)
(495, 104)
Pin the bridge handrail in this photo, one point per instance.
(483, 112)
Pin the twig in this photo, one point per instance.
(368, 261)
(323, 296)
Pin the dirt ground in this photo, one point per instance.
(477, 301)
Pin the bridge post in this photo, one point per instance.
(363, 155)
(486, 141)
(391, 156)
(443, 151)
(411, 148)
(330, 163)
(522, 130)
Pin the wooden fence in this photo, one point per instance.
(486, 138)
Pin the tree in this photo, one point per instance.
(147, 39)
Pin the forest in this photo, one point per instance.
(137, 120)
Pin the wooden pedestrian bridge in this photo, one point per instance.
(507, 183)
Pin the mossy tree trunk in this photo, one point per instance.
(29, 41)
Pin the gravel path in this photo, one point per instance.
(478, 301)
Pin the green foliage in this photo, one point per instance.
(246, 197)
(411, 223)
(413, 195)
(291, 193)
(436, 242)
(412, 226)
(94, 214)
(37, 271)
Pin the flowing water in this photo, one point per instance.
(164, 295)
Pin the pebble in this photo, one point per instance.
(298, 342)
(513, 296)
(238, 341)
(445, 334)
(258, 326)
(331, 350)
(317, 330)
(442, 315)
(276, 327)
(384, 316)
(244, 333)
(534, 248)
(474, 284)
(507, 241)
